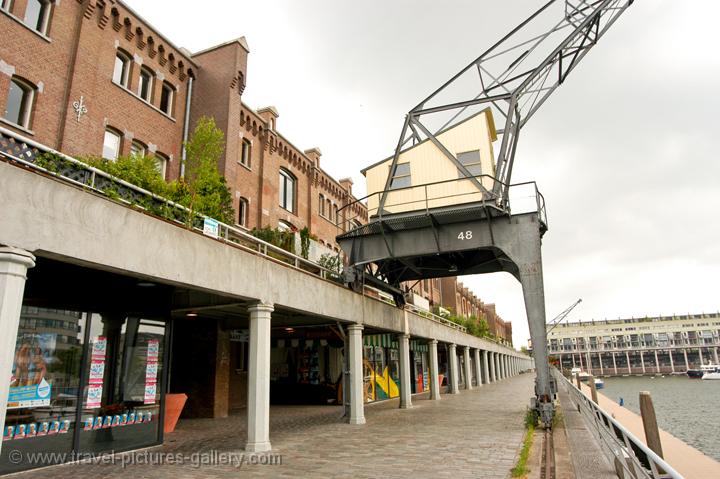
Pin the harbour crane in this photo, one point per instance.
(441, 204)
(558, 319)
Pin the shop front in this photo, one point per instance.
(381, 360)
(84, 380)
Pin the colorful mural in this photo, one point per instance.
(379, 386)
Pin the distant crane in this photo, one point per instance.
(557, 319)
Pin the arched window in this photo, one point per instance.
(138, 149)
(285, 226)
(288, 185)
(243, 211)
(161, 162)
(167, 99)
(20, 102)
(111, 144)
(37, 15)
(121, 73)
(145, 84)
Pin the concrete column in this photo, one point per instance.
(602, 371)
(468, 369)
(687, 365)
(405, 376)
(454, 369)
(14, 264)
(355, 356)
(493, 371)
(715, 355)
(573, 360)
(478, 372)
(434, 380)
(627, 358)
(657, 363)
(498, 370)
(672, 362)
(614, 364)
(642, 360)
(258, 409)
(701, 356)
(486, 367)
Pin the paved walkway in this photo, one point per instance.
(476, 433)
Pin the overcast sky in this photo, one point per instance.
(626, 151)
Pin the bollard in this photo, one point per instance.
(652, 433)
(593, 389)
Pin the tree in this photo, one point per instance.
(203, 190)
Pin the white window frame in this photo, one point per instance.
(246, 152)
(116, 134)
(170, 110)
(124, 79)
(43, 19)
(150, 83)
(286, 178)
(395, 176)
(6, 5)
(138, 149)
(243, 206)
(26, 104)
(321, 202)
(161, 160)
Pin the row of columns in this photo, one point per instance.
(14, 264)
(585, 360)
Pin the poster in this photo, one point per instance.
(28, 386)
(153, 350)
(30, 396)
(151, 370)
(151, 373)
(150, 390)
(99, 348)
(94, 396)
(211, 227)
(97, 371)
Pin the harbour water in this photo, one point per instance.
(689, 409)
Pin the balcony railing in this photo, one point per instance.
(22, 151)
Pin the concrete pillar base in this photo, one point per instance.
(258, 446)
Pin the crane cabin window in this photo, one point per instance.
(400, 176)
(471, 161)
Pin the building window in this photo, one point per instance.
(328, 205)
(145, 84)
(245, 151)
(471, 161)
(137, 149)
(335, 214)
(243, 211)
(287, 190)
(20, 102)
(285, 227)
(121, 73)
(111, 145)
(161, 162)
(400, 176)
(5, 5)
(37, 15)
(167, 98)
(321, 203)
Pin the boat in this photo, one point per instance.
(699, 373)
(599, 383)
(712, 374)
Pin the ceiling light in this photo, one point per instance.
(191, 314)
(145, 284)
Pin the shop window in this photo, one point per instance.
(167, 98)
(20, 102)
(37, 15)
(121, 73)
(161, 162)
(246, 150)
(288, 185)
(145, 84)
(111, 145)
(137, 149)
(243, 205)
(400, 176)
(471, 161)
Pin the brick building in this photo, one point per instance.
(93, 78)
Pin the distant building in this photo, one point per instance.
(664, 344)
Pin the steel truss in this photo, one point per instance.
(514, 78)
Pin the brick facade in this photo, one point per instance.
(74, 58)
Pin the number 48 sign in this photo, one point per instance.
(465, 235)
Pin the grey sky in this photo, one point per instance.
(625, 152)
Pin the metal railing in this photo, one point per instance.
(621, 446)
(23, 151)
(428, 196)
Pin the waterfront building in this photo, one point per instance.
(650, 345)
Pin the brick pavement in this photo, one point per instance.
(476, 433)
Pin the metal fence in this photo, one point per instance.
(629, 454)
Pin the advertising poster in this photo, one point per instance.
(99, 348)
(28, 386)
(94, 396)
(150, 390)
(97, 371)
(151, 370)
